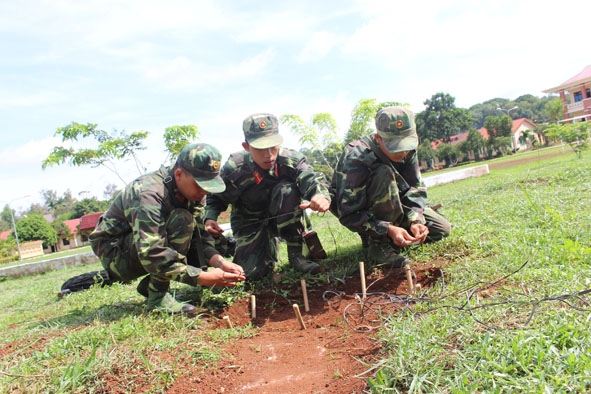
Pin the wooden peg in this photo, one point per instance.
(411, 285)
(228, 322)
(305, 293)
(296, 309)
(253, 307)
(362, 274)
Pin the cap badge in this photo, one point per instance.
(263, 125)
(399, 124)
(215, 164)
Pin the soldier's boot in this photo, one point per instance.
(142, 287)
(164, 302)
(299, 263)
(385, 254)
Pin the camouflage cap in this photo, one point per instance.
(261, 131)
(203, 162)
(396, 126)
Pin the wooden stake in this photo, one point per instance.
(411, 285)
(305, 293)
(362, 273)
(228, 322)
(296, 309)
(253, 307)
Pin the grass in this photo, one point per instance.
(511, 315)
(51, 256)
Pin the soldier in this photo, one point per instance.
(155, 227)
(378, 191)
(265, 185)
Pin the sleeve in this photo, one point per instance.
(351, 198)
(149, 232)
(309, 181)
(202, 247)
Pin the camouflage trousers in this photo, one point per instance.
(119, 255)
(256, 234)
(385, 204)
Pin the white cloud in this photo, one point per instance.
(318, 46)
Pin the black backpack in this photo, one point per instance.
(85, 281)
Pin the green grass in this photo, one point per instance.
(508, 318)
(50, 256)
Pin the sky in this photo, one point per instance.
(147, 65)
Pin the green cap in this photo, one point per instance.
(396, 126)
(203, 162)
(261, 131)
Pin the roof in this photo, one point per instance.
(5, 234)
(517, 123)
(87, 222)
(575, 81)
(72, 225)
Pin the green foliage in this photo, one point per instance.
(576, 135)
(35, 227)
(320, 136)
(426, 152)
(175, 137)
(89, 205)
(110, 148)
(475, 142)
(449, 153)
(554, 110)
(442, 119)
(63, 231)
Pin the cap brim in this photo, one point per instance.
(401, 144)
(266, 142)
(215, 185)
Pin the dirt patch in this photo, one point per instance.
(333, 354)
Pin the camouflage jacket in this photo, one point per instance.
(356, 164)
(248, 187)
(143, 207)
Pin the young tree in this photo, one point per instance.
(448, 153)
(426, 153)
(554, 110)
(111, 148)
(474, 143)
(576, 135)
(175, 137)
(320, 136)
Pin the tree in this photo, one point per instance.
(554, 110)
(89, 205)
(576, 135)
(59, 206)
(499, 127)
(5, 218)
(110, 192)
(111, 148)
(426, 153)
(442, 119)
(63, 231)
(474, 143)
(448, 153)
(363, 118)
(35, 227)
(321, 135)
(176, 137)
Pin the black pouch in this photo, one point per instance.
(314, 246)
(85, 281)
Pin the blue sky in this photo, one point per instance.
(147, 65)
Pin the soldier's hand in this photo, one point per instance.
(420, 232)
(219, 278)
(318, 203)
(400, 236)
(213, 228)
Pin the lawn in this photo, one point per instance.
(508, 310)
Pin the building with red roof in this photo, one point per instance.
(575, 94)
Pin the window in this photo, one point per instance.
(578, 96)
(66, 242)
(588, 92)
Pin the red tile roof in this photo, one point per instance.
(5, 234)
(87, 222)
(72, 225)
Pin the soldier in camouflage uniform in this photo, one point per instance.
(378, 191)
(265, 185)
(155, 227)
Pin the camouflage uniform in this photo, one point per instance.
(370, 191)
(151, 228)
(265, 205)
